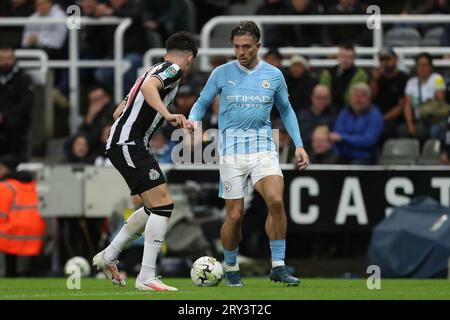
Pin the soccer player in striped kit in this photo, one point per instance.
(136, 119)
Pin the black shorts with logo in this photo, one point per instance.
(139, 169)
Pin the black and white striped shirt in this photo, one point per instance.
(139, 120)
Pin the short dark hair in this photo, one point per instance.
(275, 52)
(425, 55)
(347, 46)
(246, 27)
(183, 41)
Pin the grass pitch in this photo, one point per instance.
(254, 289)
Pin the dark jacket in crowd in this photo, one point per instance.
(309, 121)
(16, 99)
(300, 90)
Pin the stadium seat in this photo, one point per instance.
(430, 152)
(400, 152)
(402, 37)
(433, 37)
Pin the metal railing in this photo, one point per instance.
(322, 20)
(74, 63)
(405, 55)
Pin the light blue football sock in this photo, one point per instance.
(278, 249)
(231, 256)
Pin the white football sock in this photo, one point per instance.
(129, 232)
(155, 231)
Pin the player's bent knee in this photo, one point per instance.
(275, 205)
(235, 216)
(164, 211)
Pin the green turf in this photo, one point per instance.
(255, 288)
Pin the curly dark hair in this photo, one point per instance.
(182, 40)
(246, 27)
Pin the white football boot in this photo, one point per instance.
(109, 269)
(154, 284)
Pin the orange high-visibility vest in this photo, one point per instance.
(21, 226)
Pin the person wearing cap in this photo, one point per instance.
(300, 83)
(21, 226)
(388, 86)
(341, 77)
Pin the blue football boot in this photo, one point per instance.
(282, 274)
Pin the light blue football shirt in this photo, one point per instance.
(246, 101)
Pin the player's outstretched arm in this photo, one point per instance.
(150, 90)
(290, 122)
(206, 99)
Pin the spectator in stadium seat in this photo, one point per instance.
(14, 8)
(271, 34)
(16, 100)
(274, 57)
(358, 128)
(341, 77)
(134, 41)
(77, 150)
(51, 38)
(445, 145)
(425, 87)
(300, 83)
(100, 109)
(333, 35)
(388, 92)
(323, 151)
(299, 35)
(320, 113)
(95, 41)
(185, 99)
(161, 18)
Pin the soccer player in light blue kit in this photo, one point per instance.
(248, 88)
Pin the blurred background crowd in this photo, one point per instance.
(347, 114)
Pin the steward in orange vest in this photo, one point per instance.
(21, 226)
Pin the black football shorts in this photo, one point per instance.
(136, 165)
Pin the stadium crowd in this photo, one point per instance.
(346, 112)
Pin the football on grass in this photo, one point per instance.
(207, 272)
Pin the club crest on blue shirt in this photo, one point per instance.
(265, 84)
